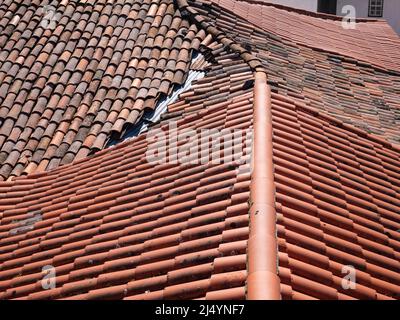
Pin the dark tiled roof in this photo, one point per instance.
(338, 205)
(116, 226)
(66, 88)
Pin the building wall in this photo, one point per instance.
(310, 5)
(391, 10)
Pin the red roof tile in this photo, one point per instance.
(178, 231)
(348, 87)
(338, 204)
(62, 97)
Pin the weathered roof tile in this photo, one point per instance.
(117, 226)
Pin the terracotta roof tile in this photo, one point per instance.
(167, 240)
(355, 86)
(115, 226)
(336, 242)
(76, 54)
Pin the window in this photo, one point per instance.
(327, 6)
(375, 8)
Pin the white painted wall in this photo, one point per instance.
(310, 5)
(391, 10)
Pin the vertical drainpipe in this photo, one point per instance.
(263, 282)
